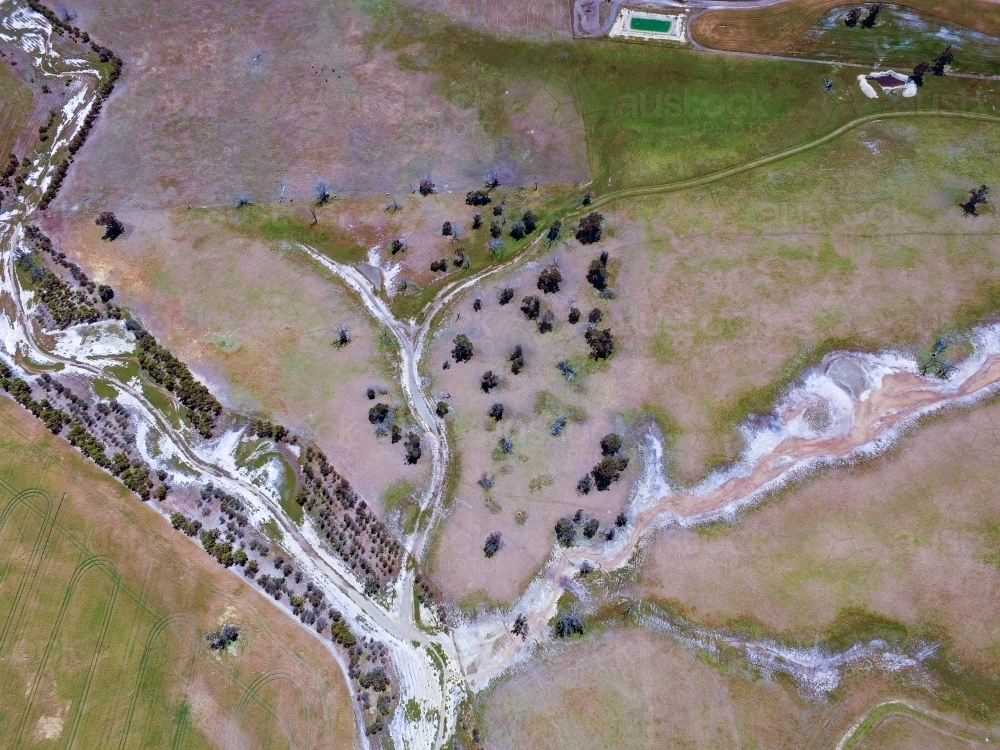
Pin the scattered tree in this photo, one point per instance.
(942, 60)
(494, 543)
(412, 448)
(517, 230)
(530, 221)
(588, 197)
(498, 209)
(520, 627)
(477, 304)
(489, 381)
(545, 321)
(595, 316)
(590, 528)
(371, 394)
(607, 471)
(398, 246)
(492, 178)
(516, 360)
(602, 342)
(439, 265)
(506, 295)
(569, 624)
(978, 197)
(343, 338)
(584, 485)
(396, 434)
(506, 445)
(379, 414)
(113, 229)
(477, 221)
(549, 279)
(553, 234)
(621, 521)
(426, 187)
(565, 532)
(590, 229)
(919, 71)
(496, 411)
(496, 229)
(611, 444)
(322, 193)
(446, 229)
(442, 409)
(219, 639)
(463, 350)
(477, 198)
(852, 17)
(574, 315)
(597, 275)
(871, 16)
(586, 569)
(531, 307)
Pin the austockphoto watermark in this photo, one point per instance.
(695, 104)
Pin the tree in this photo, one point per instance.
(597, 275)
(494, 543)
(426, 187)
(611, 444)
(516, 360)
(602, 342)
(343, 338)
(520, 627)
(113, 229)
(545, 321)
(549, 279)
(222, 637)
(506, 445)
(477, 304)
(496, 411)
(506, 295)
(492, 178)
(397, 246)
(446, 229)
(463, 350)
(440, 265)
(531, 307)
(919, 71)
(944, 59)
(588, 197)
(489, 381)
(621, 521)
(584, 485)
(496, 229)
(412, 448)
(852, 17)
(574, 315)
(517, 230)
(978, 197)
(594, 316)
(553, 234)
(477, 198)
(607, 471)
(442, 409)
(396, 434)
(591, 527)
(565, 532)
(477, 221)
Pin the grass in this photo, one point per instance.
(16, 100)
(651, 114)
(103, 619)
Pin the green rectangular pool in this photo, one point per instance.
(656, 25)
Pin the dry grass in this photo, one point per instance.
(770, 30)
(258, 322)
(910, 537)
(898, 732)
(719, 292)
(545, 19)
(632, 689)
(203, 123)
(74, 659)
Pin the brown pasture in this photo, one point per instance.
(770, 30)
